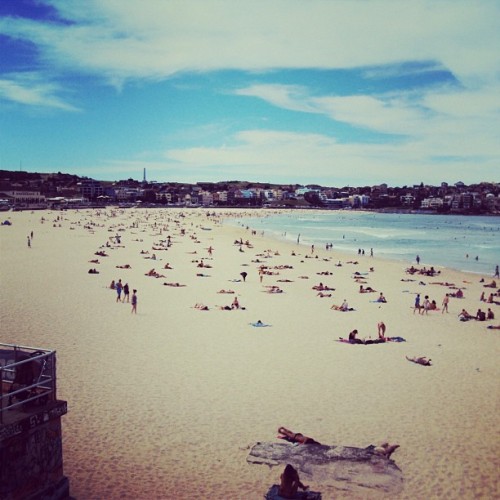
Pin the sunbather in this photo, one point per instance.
(386, 449)
(293, 437)
(422, 360)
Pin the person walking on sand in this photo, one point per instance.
(497, 272)
(126, 292)
(417, 304)
(134, 302)
(427, 305)
(119, 288)
(446, 299)
(418, 259)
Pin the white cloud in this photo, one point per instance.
(151, 39)
(292, 97)
(30, 89)
(271, 155)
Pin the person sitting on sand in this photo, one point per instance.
(386, 449)
(290, 483)
(343, 307)
(292, 437)
(235, 304)
(480, 315)
(422, 360)
(489, 314)
(493, 284)
(260, 324)
(464, 315)
(353, 337)
(274, 289)
(112, 285)
(381, 298)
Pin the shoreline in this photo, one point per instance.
(382, 252)
(175, 391)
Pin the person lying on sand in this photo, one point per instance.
(292, 437)
(493, 284)
(321, 294)
(259, 324)
(322, 287)
(201, 307)
(422, 360)
(225, 291)
(173, 284)
(493, 327)
(386, 449)
(152, 273)
(124, 266)
(368, 289)
(290, 483)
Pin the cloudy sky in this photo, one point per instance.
(333, 92)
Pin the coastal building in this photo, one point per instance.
(23, 197)
(90, 189)
(432, 203)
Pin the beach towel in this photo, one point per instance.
(370, 341)
(360, 471)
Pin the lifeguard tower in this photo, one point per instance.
(31, 457)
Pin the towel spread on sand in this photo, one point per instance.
(370, 341)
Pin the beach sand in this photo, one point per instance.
(166, 403)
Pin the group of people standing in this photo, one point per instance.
(119, 287)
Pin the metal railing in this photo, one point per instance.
(27, 377)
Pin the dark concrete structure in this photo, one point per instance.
(31, 451)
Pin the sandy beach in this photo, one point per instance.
(165, 403)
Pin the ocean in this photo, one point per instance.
(465, 243)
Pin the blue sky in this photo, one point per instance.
(288, 91)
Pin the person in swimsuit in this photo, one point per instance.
(292, 437)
